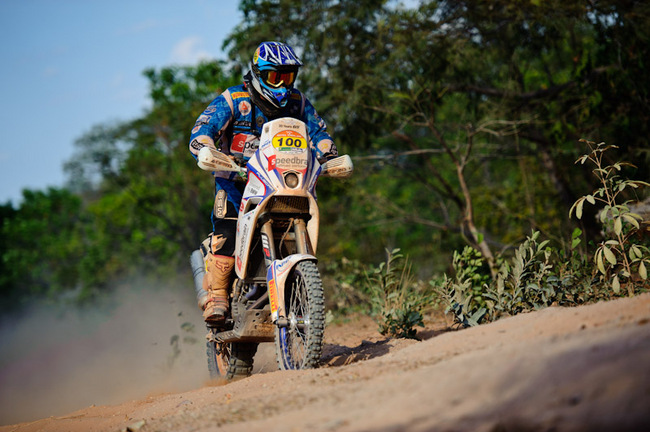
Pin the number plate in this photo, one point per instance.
(289, 140)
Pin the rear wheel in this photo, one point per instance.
(299, 344)
(230, 360)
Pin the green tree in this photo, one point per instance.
(43, 244)
(474, 108)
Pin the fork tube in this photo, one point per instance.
(268, 244)
(302, 239)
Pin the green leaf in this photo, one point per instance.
(618, 225)
(542, 245)
(576, 233)
(609, 255)
(616, 285)
(599, 261)
(579, 208)
(575, 242)
(591, 199)
(603, 214)
(631, 220)
(642, 271)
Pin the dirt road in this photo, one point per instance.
(559, 369)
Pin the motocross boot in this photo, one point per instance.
(216, 283)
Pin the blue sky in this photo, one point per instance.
(69, 65)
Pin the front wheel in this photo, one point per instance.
(299, 344)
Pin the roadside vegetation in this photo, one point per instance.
(464, 120)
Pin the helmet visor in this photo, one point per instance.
(278, 78)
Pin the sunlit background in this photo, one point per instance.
(69, 65)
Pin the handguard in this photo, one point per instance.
(339, 167)
(210, 159)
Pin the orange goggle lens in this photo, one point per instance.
(276, 78)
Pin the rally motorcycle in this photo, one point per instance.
(277, 295)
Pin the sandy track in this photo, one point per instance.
(560, 369)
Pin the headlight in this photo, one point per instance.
(291, 180)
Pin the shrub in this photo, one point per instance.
(620, 260)
(397, 301)
(523, 283)
(462, 295)
(538, 275)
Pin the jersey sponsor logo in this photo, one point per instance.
(244, 107)
(251, 146)
(324, 146)
(202, 120)
(196, 129)
(209, 110)
(238, 142)
(238, 95)
(242, 123)
(196, 145)
(244, 145)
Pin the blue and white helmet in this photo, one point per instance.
(273, 71)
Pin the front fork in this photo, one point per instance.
(303, 245)
(277, 271)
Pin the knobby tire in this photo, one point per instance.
(299, 346)
(230, 360)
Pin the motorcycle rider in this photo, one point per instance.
(232, 123)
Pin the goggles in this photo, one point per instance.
(278, 78)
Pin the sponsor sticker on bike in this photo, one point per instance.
(273, 296)
(289, 161)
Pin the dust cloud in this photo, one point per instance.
(135, 343)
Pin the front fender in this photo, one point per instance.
(276, 277)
